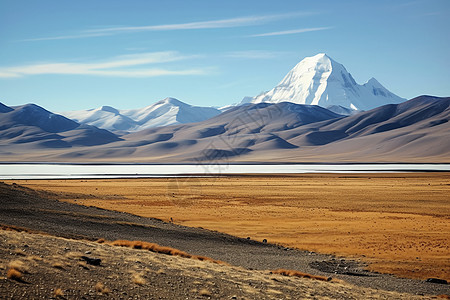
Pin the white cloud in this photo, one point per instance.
(255, 54)
(294, 31)
(224, 23)
(109, 67)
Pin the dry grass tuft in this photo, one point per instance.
(14, 274)
(73, 255)
(58, 293)
(101, 288)
(33, 258)
(300, 274)
(272, 291)
(15, 270)
(138, 279)
(18, 265)
(205, 293)
(161, 249)
(19, 252)
(58, 265)
(160, 271)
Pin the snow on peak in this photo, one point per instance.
(165, 112)
(320, 80)
(171, 101)
(108, 109)
(373, 83)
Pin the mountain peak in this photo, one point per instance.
(373, 82)
(109, 109)
(4, 108)
(173, 101)
(320, 80)
(319, 59)
(319, 56)
(168, 111)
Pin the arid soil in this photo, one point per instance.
(399, 223)
(49, 267)
(27, 210)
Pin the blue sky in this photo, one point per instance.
(70, 55)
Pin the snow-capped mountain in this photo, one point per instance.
(39, 128)
(169, 111)
(319, 80)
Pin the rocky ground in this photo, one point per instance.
(57, 268)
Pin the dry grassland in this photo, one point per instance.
(399, 223)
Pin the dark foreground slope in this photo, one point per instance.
(26, 208)
(54, 268)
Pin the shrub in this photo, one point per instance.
(18, 265)
(14, 274)
(100, 288)
(58, 265)
(138, 279)
(161, 249)
(58, 293)
(205, 293)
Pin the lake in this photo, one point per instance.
(61, 171)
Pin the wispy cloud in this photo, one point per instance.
(80, 35)
(255, 54)
(212, 24)
(112, 67)
(294, 31)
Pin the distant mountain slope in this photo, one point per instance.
(235, 131)
(31, 125)
(414, 131)
(418, 128)
(319, 80)
(162, 113)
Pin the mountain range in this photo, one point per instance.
(318, 113)
(162, 113)
(316, 80)
(32, 127)
(319, 80)
(413, 131)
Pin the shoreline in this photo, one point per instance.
(18, 171)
